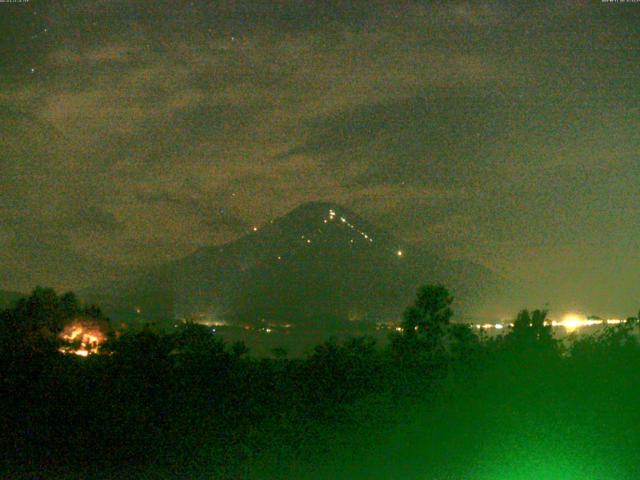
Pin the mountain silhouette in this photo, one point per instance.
(319, 265)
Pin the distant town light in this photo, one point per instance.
(572, 321)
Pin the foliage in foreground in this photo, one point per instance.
(437, 402)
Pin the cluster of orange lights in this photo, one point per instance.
(81, 338)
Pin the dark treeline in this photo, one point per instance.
(437, 402)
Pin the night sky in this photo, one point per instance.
(133, 132)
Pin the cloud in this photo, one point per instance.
(92, 218)
(217, 218)
(152, 128)
(438, 140)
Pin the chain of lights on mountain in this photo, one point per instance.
(331, 218)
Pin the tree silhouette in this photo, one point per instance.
(93, 311)
(424, 346)
(239, 349)
(530, 327)
(464, 344)
(69, 305)
(280, 353)
(35, 321)
(196, 339)
(430, 312)
(531, 335)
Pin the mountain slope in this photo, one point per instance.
(321, 264)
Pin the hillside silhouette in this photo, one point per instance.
(319, 265)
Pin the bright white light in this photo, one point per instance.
(572, 321)
(399, 253)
